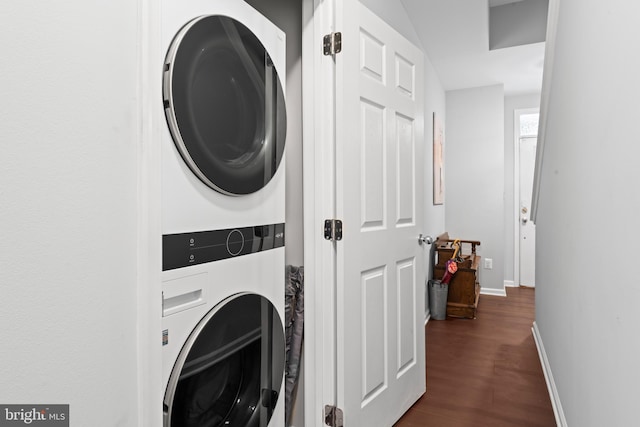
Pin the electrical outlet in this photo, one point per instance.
(488, 263)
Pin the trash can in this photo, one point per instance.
(438, 299)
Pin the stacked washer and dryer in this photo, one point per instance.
(223, 214)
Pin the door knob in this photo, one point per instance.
(426, 240)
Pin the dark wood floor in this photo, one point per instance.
(486, 371)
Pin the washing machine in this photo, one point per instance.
(223, 344)
(223, 215)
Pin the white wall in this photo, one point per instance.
(474, 175)
(68, 215)
(435, 102)
(512, 103)
(587, 220)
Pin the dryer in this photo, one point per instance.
(223, 214)
(223, 93)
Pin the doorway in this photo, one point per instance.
(526, 136)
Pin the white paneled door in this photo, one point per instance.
(379, 197)
(527, 227)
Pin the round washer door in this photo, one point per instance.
(230, 370)
(224, 105)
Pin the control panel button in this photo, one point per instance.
(235, 242)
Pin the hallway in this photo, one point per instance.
(484, 372)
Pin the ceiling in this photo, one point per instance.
(455, 35)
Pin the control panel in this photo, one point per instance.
(185, 249)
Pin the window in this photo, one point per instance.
(529, 124)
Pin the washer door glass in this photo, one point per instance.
(224, 105)
(230, 370)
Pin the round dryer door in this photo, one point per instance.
(224, 105)
(230, 370)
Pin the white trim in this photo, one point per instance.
(493, 292)
(547, 77)
(319, 203)
(516, 196)
(516, 188)
(561, 421)
(149, 350)
(510, 284)
(426, 319)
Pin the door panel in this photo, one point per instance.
(405, 170)
(374, 291)
(379, 197)
(373, 192)
(405, 76)
(371, 57)
(406, 274)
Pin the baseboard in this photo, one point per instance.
(494, 292)
(426, 319)
(561, 421)
(509, 284)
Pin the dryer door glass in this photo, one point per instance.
(230, 370)
(225, 105)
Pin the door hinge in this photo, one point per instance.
(333, 229)
(332, 43)
(333, 416)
